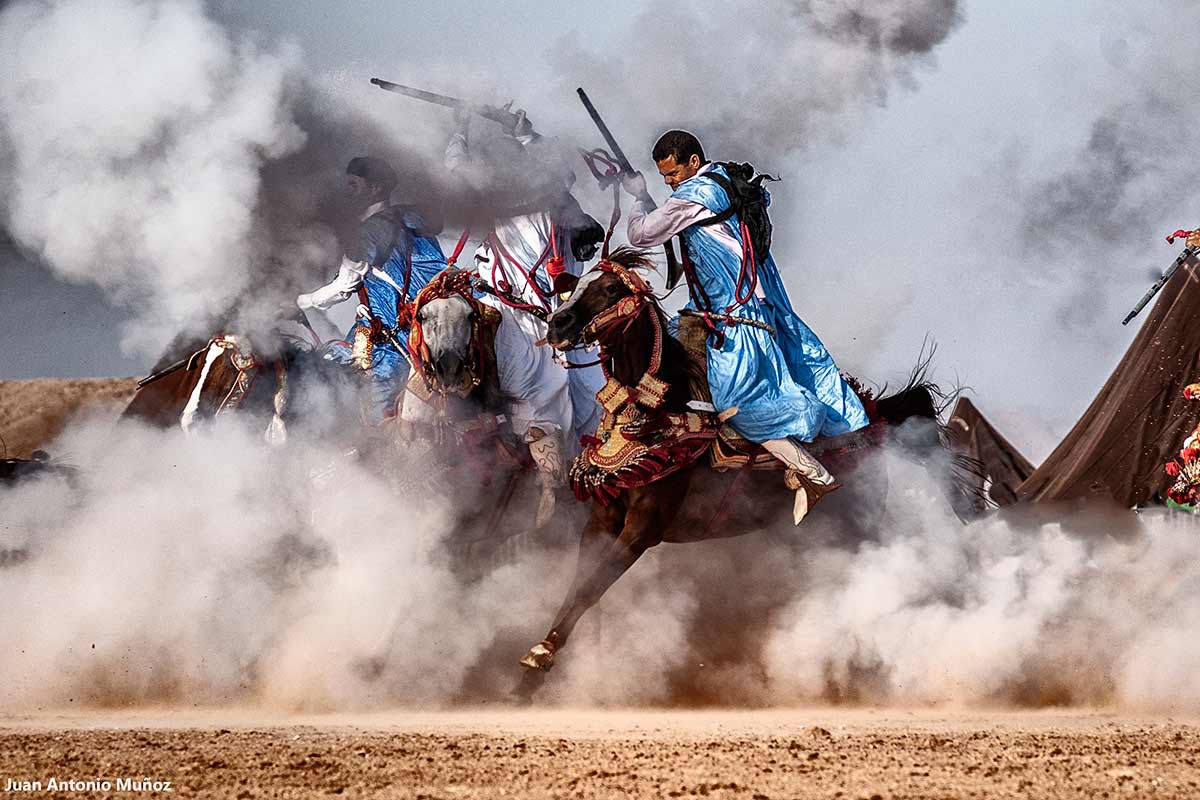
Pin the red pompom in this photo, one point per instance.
(1172, 469)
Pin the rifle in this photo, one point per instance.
(673, 270)
(1189, 254)
(506, 118)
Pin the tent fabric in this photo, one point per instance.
(1002, 468)
(1140, 417)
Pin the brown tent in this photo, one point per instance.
(1001, 468)
(1140, 418)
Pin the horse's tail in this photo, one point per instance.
(960, 477)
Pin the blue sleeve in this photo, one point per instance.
(704, 191)
(374, 244)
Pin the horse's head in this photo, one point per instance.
(446, 323)
(446, 341)
(612, 291)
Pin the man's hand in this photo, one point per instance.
(635, 184)
(305, 302)
(521, 125)
(462, 120)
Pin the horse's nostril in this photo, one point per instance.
(561, 321)
(449, 365)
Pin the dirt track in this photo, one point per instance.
(33, 412)
(825, 753)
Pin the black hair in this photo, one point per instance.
(680, 144)
(374, 170)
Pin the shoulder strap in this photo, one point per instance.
(730, 194)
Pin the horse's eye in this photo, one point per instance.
(612, 288)
(474, 315)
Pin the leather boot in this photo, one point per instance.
(805, 475)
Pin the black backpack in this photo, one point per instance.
(747, 199)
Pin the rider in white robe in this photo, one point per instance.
(524, 165)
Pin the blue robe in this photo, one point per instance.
(388, 240)
(786, 385)
(394, 236)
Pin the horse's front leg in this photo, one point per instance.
(648, 512)
(602, 528)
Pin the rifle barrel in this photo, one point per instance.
(604, 131)
(419, 94)
(1187, 255)
(499, 115)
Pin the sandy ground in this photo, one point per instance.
(33, 412)
(821, 753)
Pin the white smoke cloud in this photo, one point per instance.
(998, 612)
(215, 569)
(131, 135)
(781, 75)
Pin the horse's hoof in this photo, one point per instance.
(531, 681)
(539, 657)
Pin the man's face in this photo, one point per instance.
(674, 173)
(358, 189)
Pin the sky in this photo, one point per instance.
(914, 186)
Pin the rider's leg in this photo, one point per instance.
(545, 447)
(805, 474)
(386, 385)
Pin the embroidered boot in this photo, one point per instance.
(805, 475)
(546, 450)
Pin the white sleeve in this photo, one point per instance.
(349, 277)
(536, 385)
(655, 227)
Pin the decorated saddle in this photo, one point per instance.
(636, 443)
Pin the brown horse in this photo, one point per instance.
(279, 381)
(678, 496)
(222, 376)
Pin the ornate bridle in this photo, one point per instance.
(446, 284)
(650, 390)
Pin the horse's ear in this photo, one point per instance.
(565, 283)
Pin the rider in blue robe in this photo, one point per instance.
(394, 248)
(784, 385)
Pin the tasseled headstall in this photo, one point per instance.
(460, 417)
(636, 443)
(247, 367)
(482, 363)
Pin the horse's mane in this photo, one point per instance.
(631, 258)
(678, 363)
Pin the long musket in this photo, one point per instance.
(505, 118)
(1189, 254)
(627, 168)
